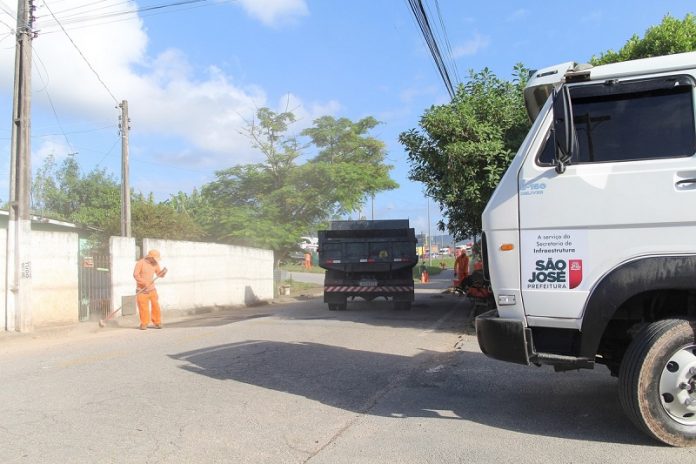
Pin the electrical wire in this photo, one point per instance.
(448, 45)
(7, 10)
(109, 151)
(421, 18)
(131, 12)
(50, 100)
(83, 56)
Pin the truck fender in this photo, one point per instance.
(629, 279)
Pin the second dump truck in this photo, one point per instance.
(368, 259)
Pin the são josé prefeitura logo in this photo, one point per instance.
(556, 273)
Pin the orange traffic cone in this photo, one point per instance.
(425, 278)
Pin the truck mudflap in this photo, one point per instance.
(503, 339)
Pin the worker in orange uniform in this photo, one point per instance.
(307, 260)
(146, 294)
(461, 267)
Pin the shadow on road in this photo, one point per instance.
(452, 386)
(427, 310)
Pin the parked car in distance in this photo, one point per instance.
(309, 243)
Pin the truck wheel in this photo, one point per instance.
(657, 381)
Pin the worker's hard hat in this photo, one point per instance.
(155, 254)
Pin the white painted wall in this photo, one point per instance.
(54, 278)
(209, 274)
(123, 258)
(3, 280)
(200, 275)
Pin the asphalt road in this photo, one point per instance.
(296, 383)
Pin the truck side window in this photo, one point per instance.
(642, 125)
(629, 121)
(546, 154)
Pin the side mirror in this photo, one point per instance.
(564, 128)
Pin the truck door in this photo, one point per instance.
(630, 190)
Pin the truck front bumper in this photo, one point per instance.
(504, 339)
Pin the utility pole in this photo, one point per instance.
(18, 314)
(373, 206)
(125, 188)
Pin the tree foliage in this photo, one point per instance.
(271, 204)
(62, 191)
(670, 36)
(463, 147)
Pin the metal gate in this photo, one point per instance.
(94, 277)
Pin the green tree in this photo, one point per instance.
(156, 220)
(62, 191)
(670, 36)
(271, 204)
(463, 147)
(356, 157)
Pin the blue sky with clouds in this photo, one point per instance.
(193, 75)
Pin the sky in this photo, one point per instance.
(194, 75)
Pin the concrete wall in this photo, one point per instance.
(3, 280)
(210, 274)
(54, 278)
(123, 258)
(200, 275)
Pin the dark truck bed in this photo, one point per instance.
(368, 259)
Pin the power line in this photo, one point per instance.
(97, 22)
(86, 17)
(448, 45)
(7, 10)
(424, 24)
(50, 102)
(82, 55)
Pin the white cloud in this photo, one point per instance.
(517, 15)
(273, 12)
(49, 146)
(167, 96)
(471, 46)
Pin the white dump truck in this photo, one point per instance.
(589, 240)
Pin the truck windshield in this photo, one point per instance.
(632, 121)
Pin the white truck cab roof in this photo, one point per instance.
(542, 82)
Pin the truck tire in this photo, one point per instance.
(657, 381)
